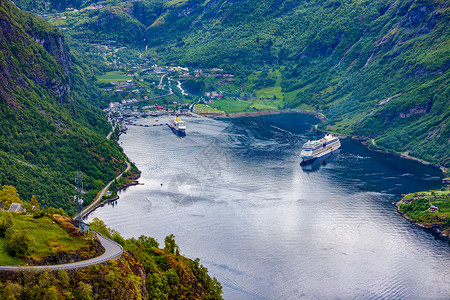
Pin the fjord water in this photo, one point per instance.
(234, 194)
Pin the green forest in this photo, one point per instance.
(50, 125)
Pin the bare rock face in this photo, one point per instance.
(416, 110)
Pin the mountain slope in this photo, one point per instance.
(48, 127)
(377, 69)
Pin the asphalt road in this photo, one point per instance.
(87, 209)
(112, 251)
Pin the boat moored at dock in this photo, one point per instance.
(177, 125)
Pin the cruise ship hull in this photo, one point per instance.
(180, 133)
(176, 128)
(315, 164)
(313, 150)
(311, 158)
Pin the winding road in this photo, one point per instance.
(97, 199)
(113, 251)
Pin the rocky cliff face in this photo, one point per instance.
(33, 54)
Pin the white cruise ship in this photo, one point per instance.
(312, 150)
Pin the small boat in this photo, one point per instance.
(313, 150)
(177, 125)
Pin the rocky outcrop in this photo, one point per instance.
(416, 110)
(126, 280)
(435, 228)
(56, 46)
(30, 48)
(121, 279)
(66, 223)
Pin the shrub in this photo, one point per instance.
(18, 242)
(84, 291)
(5, 223)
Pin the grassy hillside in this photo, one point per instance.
(45, 239)
(416, 207)
(50, 126)
(143, 272)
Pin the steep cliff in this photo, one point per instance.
(49, 127)
(22, 57)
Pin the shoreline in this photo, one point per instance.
(323, 118)
(363, 141)
(106, 201)
(434, 229)
(318, 115)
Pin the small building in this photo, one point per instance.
(15, 207)
(433, 208)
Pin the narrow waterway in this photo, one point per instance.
(233, 194)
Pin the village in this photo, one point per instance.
(144, 90)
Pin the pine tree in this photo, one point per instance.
(34, 203)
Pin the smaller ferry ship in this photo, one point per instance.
(178, 125)
(313, 150)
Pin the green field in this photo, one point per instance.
(231, 106)
(48, 238)
(206, 109)
(270, 92)
(113, 76)
(236, 106)
(416, 206)
(6, 259)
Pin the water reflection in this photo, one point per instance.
(314, 166)
(233, 194)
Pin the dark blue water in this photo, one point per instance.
(234, 194)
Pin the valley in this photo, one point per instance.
(75, 75)
(384, 77)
